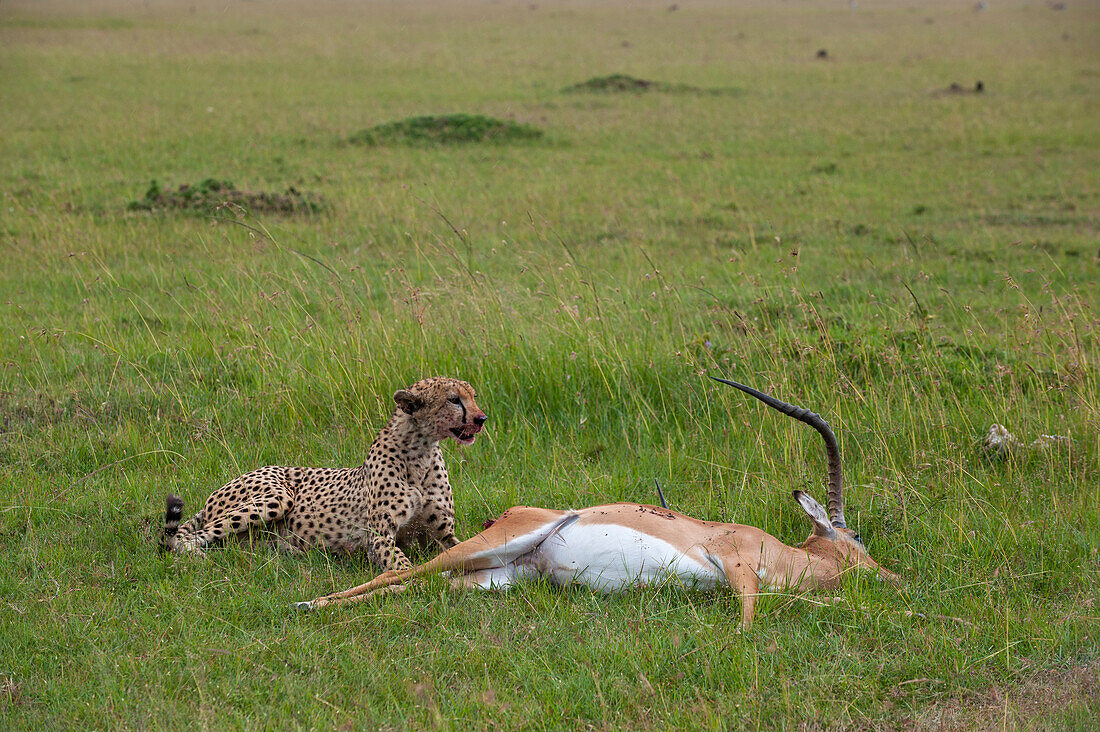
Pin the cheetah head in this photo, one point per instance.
(444, 407)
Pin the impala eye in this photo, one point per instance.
(856, 538)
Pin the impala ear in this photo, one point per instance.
(822, 526)
(407, 401)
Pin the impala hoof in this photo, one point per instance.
(307, 605)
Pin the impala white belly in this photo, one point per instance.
(610, 557)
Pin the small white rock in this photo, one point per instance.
(1000, 441)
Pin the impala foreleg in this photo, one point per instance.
(742, 578)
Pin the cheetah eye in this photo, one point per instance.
(455, 400)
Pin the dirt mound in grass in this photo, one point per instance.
(615, 83)
(621, 83)
(448, 129)
(212, 194)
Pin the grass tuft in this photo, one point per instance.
(212, 195)
(449, 129)
(623, 83)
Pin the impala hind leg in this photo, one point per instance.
(515, 533)
(492, 578)
(389, 578)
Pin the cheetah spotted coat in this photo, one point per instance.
(396, 496)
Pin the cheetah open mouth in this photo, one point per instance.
(466, 434)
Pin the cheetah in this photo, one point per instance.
(399, 496)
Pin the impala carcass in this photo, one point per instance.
(620, 545)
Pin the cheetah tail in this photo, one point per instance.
(172, 516)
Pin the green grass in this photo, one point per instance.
(913, 265)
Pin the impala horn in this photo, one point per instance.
(836, 478)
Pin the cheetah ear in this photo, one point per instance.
(407, 401)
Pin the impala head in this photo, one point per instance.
(831, 536)
(442, 408)
(838, 543)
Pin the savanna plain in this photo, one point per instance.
(209, 266)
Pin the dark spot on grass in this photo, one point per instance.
(860, 230)
(919, 209)
(448, 129)
(958, 89)
(622, 83)
(212, 195)
(825, 168)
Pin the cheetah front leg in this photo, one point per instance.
(396, 504)
(439, 519)
(438, 513)
(382, 527)
(383, 550)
